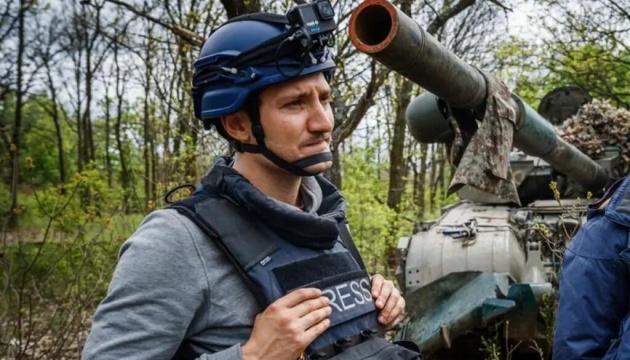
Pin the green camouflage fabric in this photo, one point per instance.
(482, 159)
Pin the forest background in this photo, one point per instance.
(96, 124)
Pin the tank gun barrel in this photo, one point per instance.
(382, 31)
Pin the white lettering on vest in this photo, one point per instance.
(344, 295)
(367, 293)
(347, 295)
(356, 289)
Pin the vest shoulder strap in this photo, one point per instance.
(344, 233)
(218, 218)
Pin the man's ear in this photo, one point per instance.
(238, 127)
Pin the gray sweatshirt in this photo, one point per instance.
(174, 294)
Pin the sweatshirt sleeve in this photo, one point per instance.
(158, 286)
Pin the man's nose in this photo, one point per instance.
(320, 118)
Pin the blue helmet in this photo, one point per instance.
(246, 54)
(251, 52)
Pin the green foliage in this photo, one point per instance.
(39, 144)
(5, 198)
(441, 200)
(599, 66)
(523, 64)
(54, 273)
(548, 310)
(375, 227)
(51, 284)
(85, 198)
(38, 139)
(491, 348)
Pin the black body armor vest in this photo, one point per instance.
(277, 249)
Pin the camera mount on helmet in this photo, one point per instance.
(309, 32)
(314, 22)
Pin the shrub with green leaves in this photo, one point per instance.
(375, 227)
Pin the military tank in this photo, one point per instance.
(484, 272)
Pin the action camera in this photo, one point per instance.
(316, 18)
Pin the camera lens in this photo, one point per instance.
(325, 10)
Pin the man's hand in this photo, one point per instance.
(387, 299)
(288, 326)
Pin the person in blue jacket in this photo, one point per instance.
(592, 320)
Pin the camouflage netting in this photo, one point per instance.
(596, 126)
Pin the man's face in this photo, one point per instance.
(297, 119)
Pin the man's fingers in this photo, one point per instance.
(317, 329)
(398, 311)
(377, 283)
(296, 297)
(310, 305)
(384, 294)
(393, 309)
(315, 317)
(392, 301)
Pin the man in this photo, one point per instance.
(592, 319)
(300, 292)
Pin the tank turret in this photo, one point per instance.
(486, 263)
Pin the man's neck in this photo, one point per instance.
(271, 181)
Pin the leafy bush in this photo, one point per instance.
(375, 227)
(53, 277)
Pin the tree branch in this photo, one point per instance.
(234, 8)
(442, 18)
(185, 34)
(367, 99)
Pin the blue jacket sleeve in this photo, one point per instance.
(593, 291)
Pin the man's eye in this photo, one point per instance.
(295, 103)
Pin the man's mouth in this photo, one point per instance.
(316, 142)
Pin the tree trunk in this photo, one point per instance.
(154, 170)
(188, 124)
(448, 170)
(108, 132)
(88, 143)
(80, 131)
(419, 181)
(88, 146)
(178, 136)
(434, 177)
(334, 173)
(147, 143)
(439, 179)
(124, 171)
(57, 121)
(14, 150)
(397, 166)
(169, 138)
(5, 176)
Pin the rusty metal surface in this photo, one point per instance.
(398, 42)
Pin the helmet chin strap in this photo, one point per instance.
(297, 167)
(252, 108)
